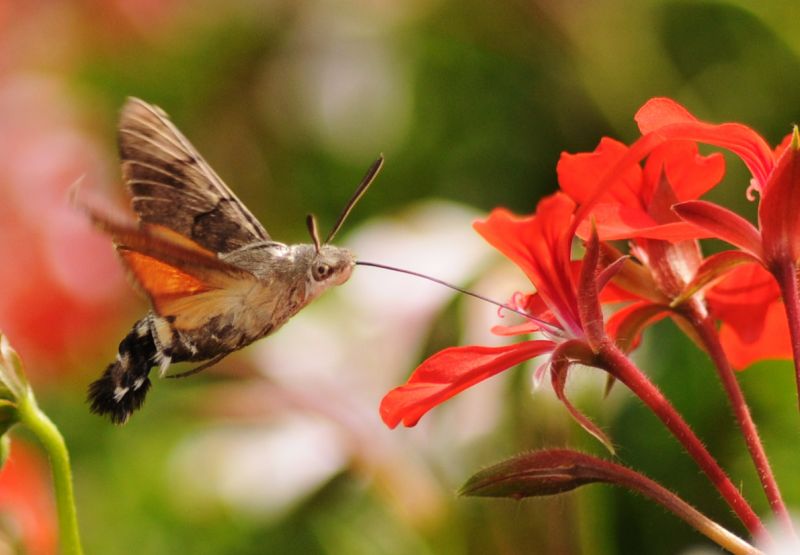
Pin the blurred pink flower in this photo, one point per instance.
(60, 280)
(138, 17)
(26, 502)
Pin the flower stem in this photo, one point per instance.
(708, 335)
(618, 365)
(51, 439)
(786, 276)
(631, 479)
(555, 471)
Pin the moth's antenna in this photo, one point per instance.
(542, 323)
(366, 181)
(311, 224)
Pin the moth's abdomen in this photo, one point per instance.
(123, 386)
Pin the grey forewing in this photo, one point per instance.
(173, 186)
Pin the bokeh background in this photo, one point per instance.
(280, 448)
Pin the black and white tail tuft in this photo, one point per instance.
(123, 386)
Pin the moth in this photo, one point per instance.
(215, 278)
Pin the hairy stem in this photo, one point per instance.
(658, 493)
(707, 333)
(618, 365)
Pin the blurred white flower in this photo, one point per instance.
(265, 470)
(340, 80)
(783, 542)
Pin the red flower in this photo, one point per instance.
(753, 328)
(775, 176)
(633, 207)
(541, 246)
(26, 501)
(638, 206)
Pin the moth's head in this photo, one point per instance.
(328, 265)
(331, 266)
(325, 267)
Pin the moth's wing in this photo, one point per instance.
(184, 281)
(188, 295)
(173, 186)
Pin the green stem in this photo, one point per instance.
(51, 439)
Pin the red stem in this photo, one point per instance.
(786, 276)
(618, 365)
(707, 333)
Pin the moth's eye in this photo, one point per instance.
(322, 271)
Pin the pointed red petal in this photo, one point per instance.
(712, 269)
(779, 209)
(558, 378)
(721, 223)
(689, 174)
(520, 329)
(541, 246)
(670, 120)
(610, 179)
(626, 209)
(627, 324)
(449, 372)
(589, 295)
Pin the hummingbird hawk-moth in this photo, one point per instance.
(215, 279)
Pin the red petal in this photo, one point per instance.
(627, 324)
(622, 210)
(637, 151)
(712, 269)
(744, 293)
(558, 377)
(689, 174)
(669, 120)
(772, 341)
(541, 246)
(779, 209)
(754, 324)
(589, 295)
(449, 372)
(660, 111)
(519, 329)
(722, 223)
(579, 174)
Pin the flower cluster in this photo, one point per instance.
(740, 305)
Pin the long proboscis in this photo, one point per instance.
(543, 324)
(366, 181)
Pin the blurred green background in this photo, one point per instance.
(471, 103)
